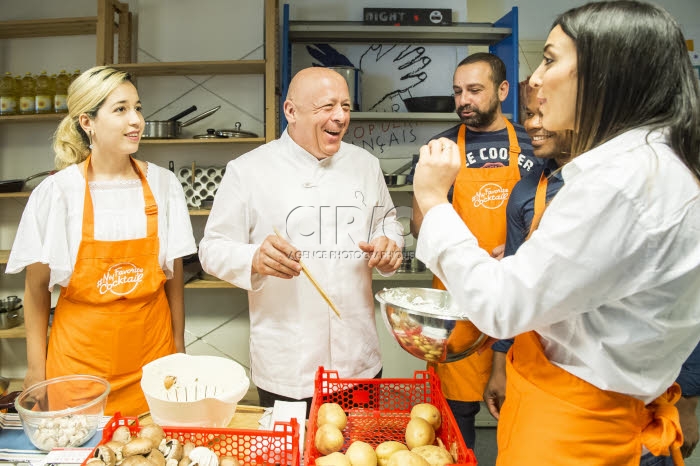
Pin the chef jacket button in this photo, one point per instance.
(308, 184)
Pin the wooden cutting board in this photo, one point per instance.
(246, 417)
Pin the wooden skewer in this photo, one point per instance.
(314, 282)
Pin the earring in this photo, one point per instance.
(90, 137)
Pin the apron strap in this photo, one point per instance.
(540, 201)
(151, 208)
(514, 148)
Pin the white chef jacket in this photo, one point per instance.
(324, 208)
(51, 227)
(611, 278)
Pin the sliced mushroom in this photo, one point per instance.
(154, 433)
(95, 462)
(185, 461)
(156, 457)
(122, 434)
(169, 381)
(106, 455)
(171, 462)
(172, 449)
(137, 446)
(203, 456)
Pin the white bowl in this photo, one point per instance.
(205, 393)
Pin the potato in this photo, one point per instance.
(418, 433)
(406, 458)
(328, 439)
(386, 449)
(331, 413)
(334, 459)
(436, 456)
(428, 412)
(361, 454)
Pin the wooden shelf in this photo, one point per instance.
(20, 195)
(14, 332)
(4, 256)
(194, 67)
(205, 141)
(354, 31)
(32, 118)
(198, 283)
(403, 116)
(48, 27)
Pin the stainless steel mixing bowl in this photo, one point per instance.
(428, 330)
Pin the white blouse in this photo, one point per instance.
(51, 226)
(611, 278)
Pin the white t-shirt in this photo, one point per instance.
(51, 227)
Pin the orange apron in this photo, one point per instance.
(571, 420)
(551, 417)
(480, 198)
(114, 315)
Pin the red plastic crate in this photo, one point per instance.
(378, 410)
(279, 446)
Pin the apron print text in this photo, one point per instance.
(491, 196)
(121, 279)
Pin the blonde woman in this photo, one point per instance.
(111, 231)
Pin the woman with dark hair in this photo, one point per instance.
(604, 298)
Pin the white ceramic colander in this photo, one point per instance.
(205, 392)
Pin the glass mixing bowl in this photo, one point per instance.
(63, 411)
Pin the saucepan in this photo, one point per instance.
(14, 186)
(171, 128)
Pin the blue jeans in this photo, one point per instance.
(651, 460)
(465, 415)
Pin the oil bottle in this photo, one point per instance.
(44, 94)
(8, 95)
(27, 95)
(75, 74)
(59, 100)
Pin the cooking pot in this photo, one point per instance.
(352, 77)
(430, 104)
(236, 132)
(169, 129)
(14, 186)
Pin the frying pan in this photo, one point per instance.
(169, 129)
(14, 186)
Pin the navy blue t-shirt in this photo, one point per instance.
(521, 204)
(490, 149)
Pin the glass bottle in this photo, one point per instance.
(44, 94)
(8, 95)
(27, 94)
(59, 101)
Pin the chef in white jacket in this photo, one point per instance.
(329, 201)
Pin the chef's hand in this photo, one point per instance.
(495, 391)
(435, 173)
(383, 253)
(277, 258)
(689, 424)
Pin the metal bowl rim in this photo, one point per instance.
(381, 299)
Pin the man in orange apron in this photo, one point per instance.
(113, 317)
(495, 154)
